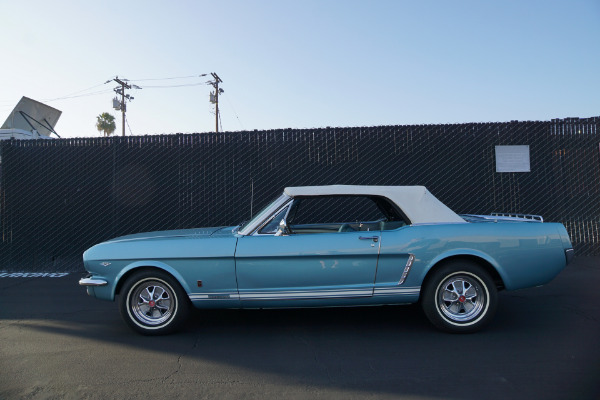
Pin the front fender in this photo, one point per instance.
(109, 291)
(147, 264)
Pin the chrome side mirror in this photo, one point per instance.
(283, 229)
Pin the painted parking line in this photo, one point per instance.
(33, 274)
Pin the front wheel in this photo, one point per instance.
(153, 303)
(460, 297)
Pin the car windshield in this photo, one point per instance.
(247, 227)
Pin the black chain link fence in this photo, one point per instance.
(59, 197)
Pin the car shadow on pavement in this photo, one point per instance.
(542, 343)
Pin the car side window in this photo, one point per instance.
(321, 214)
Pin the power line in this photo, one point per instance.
(76, 96)
(8, 107)
(172, 86)
(123, 85)
(127, 122)
(165, 79)
(85, 90)
(235, 113)
(72, 95)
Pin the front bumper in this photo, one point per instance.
(87, 281)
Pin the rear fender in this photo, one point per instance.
(464, 252)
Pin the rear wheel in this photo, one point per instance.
(460, 297)
(153, 303)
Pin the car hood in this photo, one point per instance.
(182, 243)
(178, 233)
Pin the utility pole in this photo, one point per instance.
(121, 90)
(214, 98)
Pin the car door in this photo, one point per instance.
(321, 258)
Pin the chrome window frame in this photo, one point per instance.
(267, 221)
(255, 224)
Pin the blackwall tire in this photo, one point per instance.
(153, 303)
(460, 297)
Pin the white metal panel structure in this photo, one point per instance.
(30, 119)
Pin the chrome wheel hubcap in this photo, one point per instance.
(152, 302)
(460, 298)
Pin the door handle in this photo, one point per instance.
(373, 238)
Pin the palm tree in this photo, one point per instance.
(105, 123)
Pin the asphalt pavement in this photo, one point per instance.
(56, 342)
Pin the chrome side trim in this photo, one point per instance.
(214, 296)
(407, 267)
(395, 291)
(302, 294)
(307, 294)
(92, 282)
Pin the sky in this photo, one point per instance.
(301, 64)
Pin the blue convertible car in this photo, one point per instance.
(322, 246)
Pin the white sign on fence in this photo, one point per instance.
(512, 159)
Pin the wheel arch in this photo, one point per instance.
(144, 266)
(482, 262)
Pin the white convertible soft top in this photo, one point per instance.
(417, 203)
